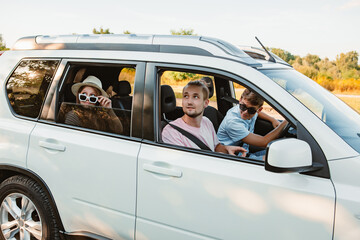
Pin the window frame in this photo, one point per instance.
(152, 72)
(52, 102)
(152, 114)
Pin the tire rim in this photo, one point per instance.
(19, 218)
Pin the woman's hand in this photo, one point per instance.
(104, 101)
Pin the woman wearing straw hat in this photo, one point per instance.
(89, 94)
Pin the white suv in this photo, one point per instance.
(60, 181)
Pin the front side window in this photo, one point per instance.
(27, 86)
(222, 119)
(97, 97)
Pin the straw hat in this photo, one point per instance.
(89, 81)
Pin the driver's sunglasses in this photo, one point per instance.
(250, 110)
(83, 97)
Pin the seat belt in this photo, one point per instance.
(194, 139)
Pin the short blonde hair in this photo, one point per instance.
(201, 84)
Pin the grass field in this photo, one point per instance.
(352, 101)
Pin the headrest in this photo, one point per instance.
(168, 100)
(122, 88)
(209, 84)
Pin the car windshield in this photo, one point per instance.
(331, 110)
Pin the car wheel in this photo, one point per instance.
(25, 211)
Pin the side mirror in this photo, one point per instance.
(289, 155)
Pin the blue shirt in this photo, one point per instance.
(233, 128)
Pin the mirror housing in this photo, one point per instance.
(289, 155)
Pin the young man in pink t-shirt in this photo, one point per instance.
(195, 100)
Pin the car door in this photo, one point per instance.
(25, 92)
(190, 194)
(91, 174)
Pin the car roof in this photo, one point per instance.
(179, 44)
(264, 57)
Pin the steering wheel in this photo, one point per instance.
(285, 130)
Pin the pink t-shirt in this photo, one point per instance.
(206, 133)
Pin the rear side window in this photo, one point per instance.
(117, 84)
(28, 85)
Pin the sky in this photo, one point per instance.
(322, 27)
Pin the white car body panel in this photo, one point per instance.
(103, 203)
(14, 140)
(345, 175)
(14, 132)
(223, 199)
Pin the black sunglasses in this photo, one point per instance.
(251, 110)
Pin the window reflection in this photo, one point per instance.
(28, 85)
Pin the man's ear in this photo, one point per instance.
(206, 103)
(259, 110)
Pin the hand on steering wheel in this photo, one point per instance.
(285, 130)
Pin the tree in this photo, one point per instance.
(285, 55)
(307, 70)
(347, 61)
(328, 69)
(307, 65)
(311, 60)
(347, 64)
(102, 31)
(2, 44)
(127, 32)
(183, 32)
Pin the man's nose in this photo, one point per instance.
(191, 101)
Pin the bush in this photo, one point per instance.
(347, 85)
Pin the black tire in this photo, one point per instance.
(25, 209)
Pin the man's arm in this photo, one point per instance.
(266, 117)
(232, 150)
(262, 141)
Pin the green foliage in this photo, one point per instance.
(107, 31)
(347, 61)
(2, 44)
(341, 75)
(311, 60)
(285, 55)
(183, 32)
(102, 31)
(180, 76)
(347, 65)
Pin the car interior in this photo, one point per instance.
(115, 81)
(224, 96)
(118, 80)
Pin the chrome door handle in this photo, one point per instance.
(162, 170)
(52, 146)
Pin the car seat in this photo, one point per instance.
(122, 99)
(167, 102)
(210, 112)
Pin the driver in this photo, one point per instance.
(237, 128)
